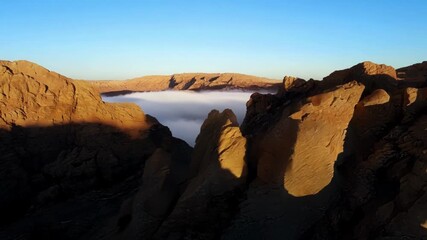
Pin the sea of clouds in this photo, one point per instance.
(184, 111)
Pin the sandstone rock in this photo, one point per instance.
(218, 170)
(164, 179)
(414, 74)
(259, 111)
(343, 158)
(321, 128)
(34, 96)
(60, 141)
(354, 197)
(373, 115)
(295, 85)
(371, 75)
(415, 100)
(292, 82)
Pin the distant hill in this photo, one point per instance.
(185, 81)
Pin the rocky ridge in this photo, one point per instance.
(341, 158)
(185, 81)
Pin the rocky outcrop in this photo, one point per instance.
(416, 74)
(362, 181)
(218, 172)
(190, 199)
(186, 81)
(65, 153)
(294, 158)
(369, 74)
(165, 177)
(34, 96)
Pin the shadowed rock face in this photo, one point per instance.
(65, 154)
(342, 158)
(185, 81)
(191, 199)
(414, 73)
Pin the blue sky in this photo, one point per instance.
(105, 39)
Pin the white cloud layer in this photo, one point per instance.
(184, 111)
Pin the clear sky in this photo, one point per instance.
(105, 39)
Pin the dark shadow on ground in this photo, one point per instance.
(64, 181)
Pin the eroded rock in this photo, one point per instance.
(64, 153)
(218, 171)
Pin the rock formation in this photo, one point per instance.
(191, 199)
(185, 81)
(217, 171)
(34, 96)
(416, 73)
(341, 158)
(64, 152)
(365, 180)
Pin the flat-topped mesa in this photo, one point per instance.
(186, 81)
(34, 96)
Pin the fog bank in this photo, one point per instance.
(184, 111)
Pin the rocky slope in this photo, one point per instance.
(341, 158)
(186, 81)
(65, 153)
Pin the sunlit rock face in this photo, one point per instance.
(321, 130)
(324, 152)
(33, 95)
(302, 147)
